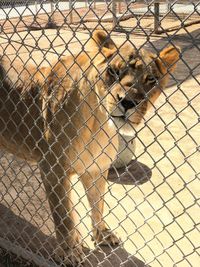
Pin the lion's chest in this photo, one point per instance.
(97, 153)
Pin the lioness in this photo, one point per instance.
(67, 119)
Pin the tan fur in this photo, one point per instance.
(67, 119)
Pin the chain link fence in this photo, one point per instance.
(96, 170)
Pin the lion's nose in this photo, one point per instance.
(127, 103)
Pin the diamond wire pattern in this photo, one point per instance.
(148, 211)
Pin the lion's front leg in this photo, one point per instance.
(58, 190)
(95, 186)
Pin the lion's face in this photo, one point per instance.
(128, 81)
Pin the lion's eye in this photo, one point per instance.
(114, 72)
(150, 79)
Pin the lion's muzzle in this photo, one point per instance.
(127, 103)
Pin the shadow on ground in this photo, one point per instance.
(21, 238)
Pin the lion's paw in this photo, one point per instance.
(72, 256)
(105, 237)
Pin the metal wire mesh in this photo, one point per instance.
(66, 93)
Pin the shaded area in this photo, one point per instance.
(134, 173)
(23, 240)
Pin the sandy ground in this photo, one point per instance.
(158, 222)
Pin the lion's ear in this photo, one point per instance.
(102, 39)
(168, 58)
(99, 40)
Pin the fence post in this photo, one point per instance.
(51, 22)
(120, 7)
(95, 6)
(70, 11)
(36, 7)
(114, 12)
(156, 17)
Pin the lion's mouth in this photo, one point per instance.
(124, 119)
(119, 117)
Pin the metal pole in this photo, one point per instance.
(120, 7)
(51, 21)
(114, 11)
(70, 11)
(36, 7)
(156, 17)
(52, 12)
(95, 4)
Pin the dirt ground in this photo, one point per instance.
(158, 221)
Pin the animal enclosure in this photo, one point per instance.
(151, 200)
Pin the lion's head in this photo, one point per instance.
(127, 81)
